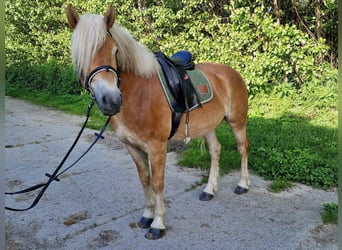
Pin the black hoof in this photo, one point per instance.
(205, 196)
(240, 190)
(155, 234)
(145, 222)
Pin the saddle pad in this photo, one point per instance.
(200, 82)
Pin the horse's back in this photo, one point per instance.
(228, 85)
(222, 73)
(225, 80)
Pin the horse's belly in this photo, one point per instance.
(201, 121)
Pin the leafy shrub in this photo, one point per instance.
(265, 53)
(51, 77)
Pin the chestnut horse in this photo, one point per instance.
(122, 75)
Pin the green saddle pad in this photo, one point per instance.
(200, 82)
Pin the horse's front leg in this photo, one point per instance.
(141, 161)
(157, 158)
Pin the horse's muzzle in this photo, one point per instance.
(108, 97)
(109, 105)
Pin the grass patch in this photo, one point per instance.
(292, 138)
(278, 186)
(329, 214)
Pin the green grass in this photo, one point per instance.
(278, 186)
(292, 138)
(329, 214)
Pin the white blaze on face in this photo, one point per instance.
(107, 95)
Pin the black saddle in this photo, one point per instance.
(179, 83)
(178, 80)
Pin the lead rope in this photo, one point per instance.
(55, 175)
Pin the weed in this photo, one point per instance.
(204, 180)
(329, 214)
(278, 186)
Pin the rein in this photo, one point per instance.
(57, 173)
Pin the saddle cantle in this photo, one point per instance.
(179, 80)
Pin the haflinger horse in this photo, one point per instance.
(122, 75)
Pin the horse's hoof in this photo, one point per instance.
(145, 222)
(155, 233)
(240, 190)
(205, 196)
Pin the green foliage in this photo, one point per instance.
(272, 54)
(265, 53)
(293, 91)
(35, 31)
(330, 213)
(278, 186)
(242, 36)
(50, 77)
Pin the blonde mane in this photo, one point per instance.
(90, 35)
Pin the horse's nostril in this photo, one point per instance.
(104, 99)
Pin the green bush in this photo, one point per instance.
(266, 54)
(50, 77)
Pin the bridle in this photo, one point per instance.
(107, 68)
(99, 69)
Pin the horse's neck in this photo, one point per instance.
(142, 101)
(138, 92)
(131, 83)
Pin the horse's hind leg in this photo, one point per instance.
(239, 130)
(214, 150)
(141, 161)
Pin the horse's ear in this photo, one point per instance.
(109, 17)
(72, 16)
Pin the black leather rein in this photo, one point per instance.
(57, 173)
